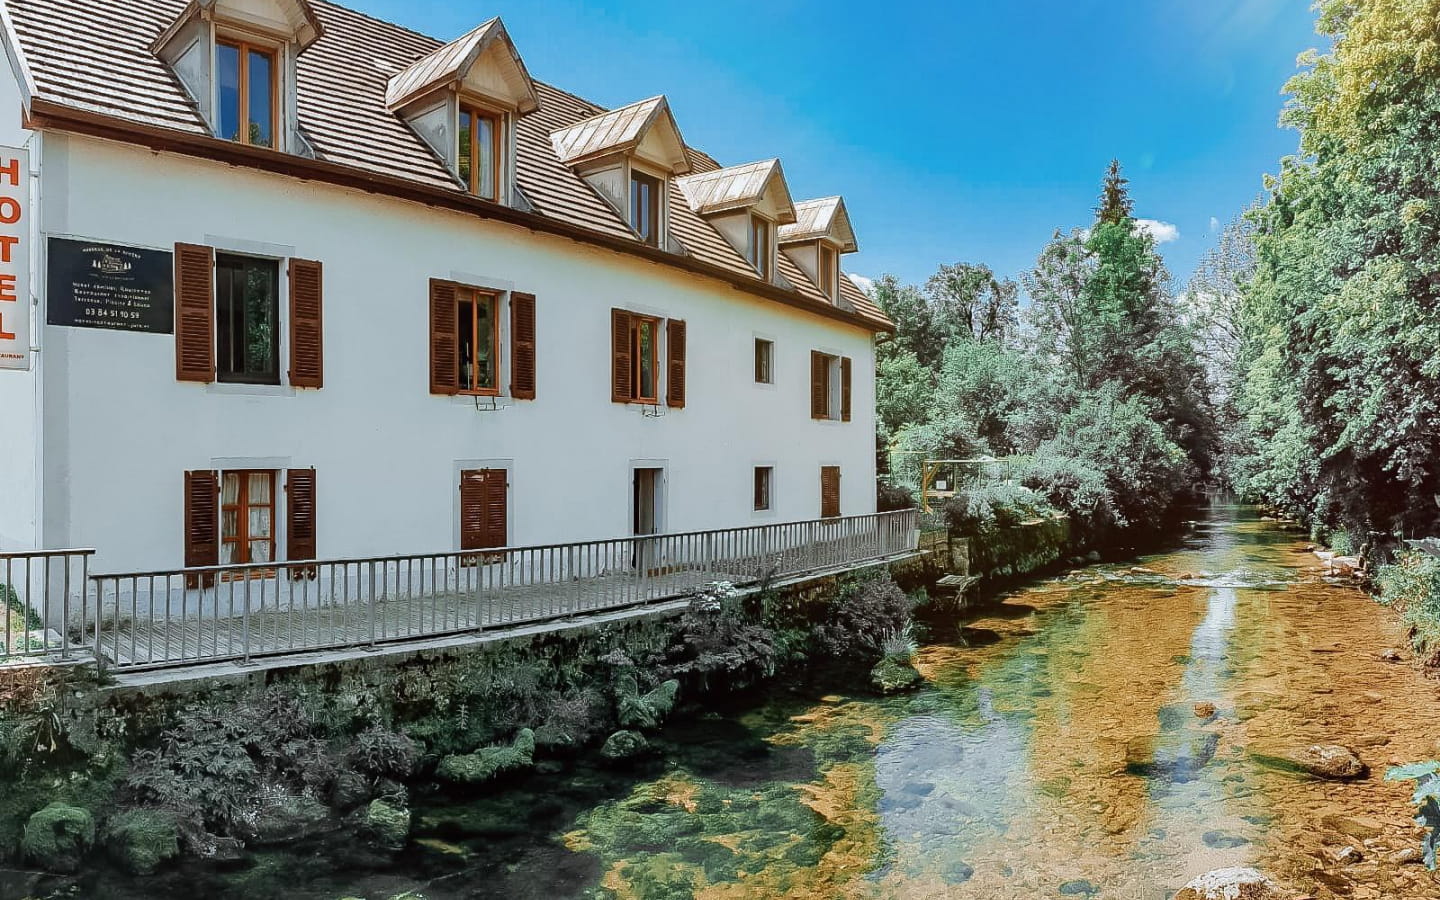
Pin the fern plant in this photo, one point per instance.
(1426, 776)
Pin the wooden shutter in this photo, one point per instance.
(675, 369)
(300, 515)
(819, 385)
(202, 524)
(845, 389)
(307, 333)
(522, 346)
(483, 509)
(829, 492)
(444, 342)
(194, 313)
(620, 359)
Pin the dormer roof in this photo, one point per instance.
(823, 218)
(298, 16)
(758, 184)
(646, 126)
(455, 64)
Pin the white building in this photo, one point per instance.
(307, 284)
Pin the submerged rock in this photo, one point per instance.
(623, 746)
(1233, 884)
(1173, 757)
(1329, 761)
(57, 837)
(285, 818)
(490, 762)
(141, 840)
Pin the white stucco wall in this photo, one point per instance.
(119, 431)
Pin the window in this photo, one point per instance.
(764, 361)
(829, 270)
(484, 512)
(829, 492)
(480, 154)
(478, 331)
(247, 517)
(247, 319)
(249, 93)
(644, 350)
(830, 386)
(764, 475)
(645, 207)
(759, 245)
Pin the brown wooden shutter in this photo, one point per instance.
(819, 388)
(307, 332)
(444, 342)
(483, 509)
(194, 313)
(300, 514)
(202, 524)
(829, 492)
(620, 360)
(845, 389)
(675, 370)
(522, 346)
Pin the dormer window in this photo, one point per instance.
(760, 254)
(248, 92)
(645, 193)
(481, 151)
(815, 242)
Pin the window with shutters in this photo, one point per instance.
(484, 512)
(477, 329)
(764, 476)
(247, 517)
(829, 492)
(247, 319)
(764, 361)
(830, 388)
(635, 357)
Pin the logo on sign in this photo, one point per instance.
(109, 264)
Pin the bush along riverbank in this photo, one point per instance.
(296, 755)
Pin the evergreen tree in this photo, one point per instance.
(1115, 204)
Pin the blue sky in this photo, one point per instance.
(961, 131)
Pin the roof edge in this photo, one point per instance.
(15, 54)
(51, 115)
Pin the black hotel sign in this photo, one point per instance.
(96, 285)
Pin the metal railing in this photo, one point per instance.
(44, 603)
(241, 612)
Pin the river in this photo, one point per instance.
(1055, 750)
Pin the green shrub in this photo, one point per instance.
(1004, 505)
(891, 497)
(869, 610)
(1412, 585)
(1073, 487)
(384, 754)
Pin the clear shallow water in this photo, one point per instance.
(1055, 750)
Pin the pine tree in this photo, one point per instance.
(1115, 205)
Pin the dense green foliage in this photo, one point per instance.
(1426, 776)
(1339, 358)
(1099, 385)
(1412, 585)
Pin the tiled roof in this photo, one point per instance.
(94, 56)
(735, 187)
(452, 62)
(825, 217)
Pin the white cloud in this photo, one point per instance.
(1162, 232)
(867, 285)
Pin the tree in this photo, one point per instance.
(968, 301)
(915, 329)
(1115, 204)
(1341, 345)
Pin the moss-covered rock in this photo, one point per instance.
(57, 837)
(286, 818)
(489, 763)
(623, 746)
(387, 825)
(892, 675)
(142, 840)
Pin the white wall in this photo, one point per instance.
(120, 431)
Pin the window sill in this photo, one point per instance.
(239, 389)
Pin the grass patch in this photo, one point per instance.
(1412, 585)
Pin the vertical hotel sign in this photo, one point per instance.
(14, 258)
